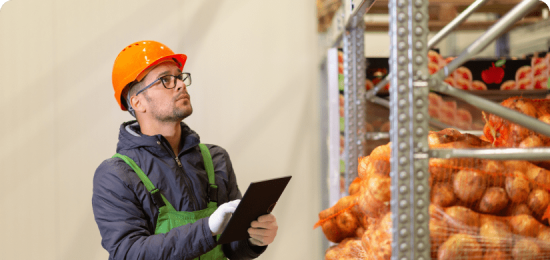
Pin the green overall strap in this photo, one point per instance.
(156, 196)
(209, 166)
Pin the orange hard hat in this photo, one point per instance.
(137, 58)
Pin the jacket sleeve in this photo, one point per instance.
(238, 249)
(126, 230)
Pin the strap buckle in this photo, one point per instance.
(157, 198)
(213, 193)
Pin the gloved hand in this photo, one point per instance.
(263, 231)
(219, 219)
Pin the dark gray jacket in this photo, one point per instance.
(125, 212)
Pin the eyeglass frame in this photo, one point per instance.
(176, 77)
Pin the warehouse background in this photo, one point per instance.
(254, 92)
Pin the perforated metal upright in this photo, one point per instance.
(354, 95)
(409, 128)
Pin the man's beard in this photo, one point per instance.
(177, 114)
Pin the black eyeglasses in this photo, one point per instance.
(169, 81)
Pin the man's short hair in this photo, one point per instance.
(132, 89)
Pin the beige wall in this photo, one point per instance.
(255, 92)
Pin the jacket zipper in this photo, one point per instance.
(179, 163)
(195, 202)
(185, 178)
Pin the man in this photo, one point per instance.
(158, 197)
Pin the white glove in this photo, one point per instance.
(219, 219)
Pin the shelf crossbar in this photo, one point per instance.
(503, 24)
(526, 154)
(358, 12)
(435, 40)
(455, 23)
(494, 108)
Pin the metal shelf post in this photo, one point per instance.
(354, 96)
(409, 129)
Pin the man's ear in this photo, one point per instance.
(137, 104)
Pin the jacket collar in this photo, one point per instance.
(130, 137)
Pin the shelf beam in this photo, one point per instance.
(446, 30)
(494, 108)
(492, 6)
(526, 154)
(501, 26)
(467, 26)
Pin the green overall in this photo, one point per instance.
(168, 217)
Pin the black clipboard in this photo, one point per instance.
(259, 199)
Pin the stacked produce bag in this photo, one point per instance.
(502, 133)
(480, 209)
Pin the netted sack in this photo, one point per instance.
(498, 210)
(339, 221)
(374, 197)
(460, 219)
(460, 233)
(503, 133)
(495, 235)
(450, 135)
(527, 188)
(480, 236)
(494, 200)
(543, 239)
(377, 163)
(348, 249)
(439, 229)
(480, 209)
(460, 246)
(355, 186)
(377, 239)
(473, 183)
(502, 188)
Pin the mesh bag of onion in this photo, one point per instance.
(480, 209)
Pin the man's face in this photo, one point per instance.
(166, 105)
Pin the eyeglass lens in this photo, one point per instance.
(169, 81)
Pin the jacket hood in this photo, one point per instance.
(130, 137)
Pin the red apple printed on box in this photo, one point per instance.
(494, 74)
(379, 75)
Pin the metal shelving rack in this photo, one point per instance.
(408, 105)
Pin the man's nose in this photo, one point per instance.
(180, 85)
